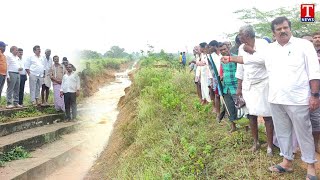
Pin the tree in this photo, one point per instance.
(116, 52)
(88, 54)
(261, 20)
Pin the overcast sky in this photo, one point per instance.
(65, 26)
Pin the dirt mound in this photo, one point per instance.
(90, 85)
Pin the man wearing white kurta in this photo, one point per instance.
(70, 89)
(254, 85)
(13, 78)
(294, 74)
(35, 70)
(203, 74)
(46, 84)
(213, 48)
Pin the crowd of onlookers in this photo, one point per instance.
(42, 72)
(277, 79)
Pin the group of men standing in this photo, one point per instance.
(279, 81)
(42, 72)
(182, 58)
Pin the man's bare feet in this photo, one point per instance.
(255, 147)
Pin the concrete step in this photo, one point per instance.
(28, 123)
(52, 156)
(44, 160)
(32, 138)
(9, 112)
(70, 157)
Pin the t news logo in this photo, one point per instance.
(307, 12)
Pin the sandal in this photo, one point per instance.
(310, 177)
(279, 169)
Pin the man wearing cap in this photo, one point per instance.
(3, 66)
(65, 62)
(13, 78)
(35, 70)
(46, 80)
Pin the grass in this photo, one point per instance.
(26, 99)
(29, 112)
(174, 137)
(16, 153)
(97, 66)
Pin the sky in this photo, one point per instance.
(173, 25)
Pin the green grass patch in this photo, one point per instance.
(31, 111)
(16, 153)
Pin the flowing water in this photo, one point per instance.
(98, 113)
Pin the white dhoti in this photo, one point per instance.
(47, 81)
(256, 97)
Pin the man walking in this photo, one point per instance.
(70, 89)
(13, 78)
(23, 75)
(35, 70)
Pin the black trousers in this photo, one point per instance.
(70, 101)
(23, 79)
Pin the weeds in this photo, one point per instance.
(16, 153)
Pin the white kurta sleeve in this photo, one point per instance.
(311, 61)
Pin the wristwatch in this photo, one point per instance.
(315, 94)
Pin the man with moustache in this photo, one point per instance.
(294, 74)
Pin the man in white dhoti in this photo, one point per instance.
(203, 74)
(253, 85)
(46, 84)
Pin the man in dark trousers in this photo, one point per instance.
(70, 89)
(23, 76)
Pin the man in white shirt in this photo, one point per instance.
(35, 70)
(253, 85)
(13, 78)
(213, 50)
(23, 75)
(294, 74)
(47, 60)
(70, 89)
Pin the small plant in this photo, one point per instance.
(16, 153)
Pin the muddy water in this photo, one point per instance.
(98, 114)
